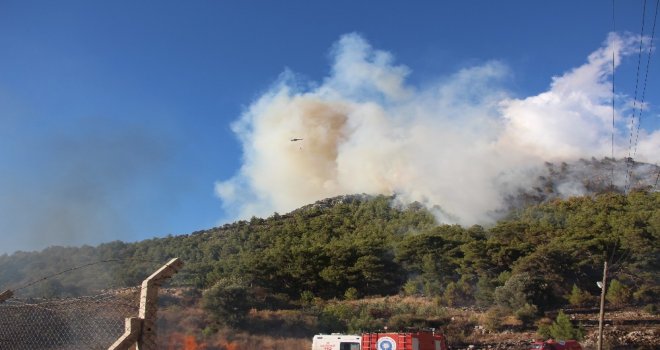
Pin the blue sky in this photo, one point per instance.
(119, 119)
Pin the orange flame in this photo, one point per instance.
(190, 343)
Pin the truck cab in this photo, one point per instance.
(336, 342)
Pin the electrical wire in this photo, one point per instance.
(646, 76)
(632, 117)
(78, 268)
(613, 110)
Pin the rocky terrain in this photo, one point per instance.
(623, 329)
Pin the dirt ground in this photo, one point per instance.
(623, 329)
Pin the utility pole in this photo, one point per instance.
(601, 317)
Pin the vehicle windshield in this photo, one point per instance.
(349, 346)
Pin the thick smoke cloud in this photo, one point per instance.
(459, 145)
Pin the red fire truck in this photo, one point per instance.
(417, 340)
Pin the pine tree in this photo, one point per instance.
(563, 329)
(617, 293)
(578, 297)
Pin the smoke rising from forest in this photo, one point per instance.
(90, 172)
(462, 143)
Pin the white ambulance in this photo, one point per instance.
(336, 342)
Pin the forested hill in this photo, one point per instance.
(232, 249)
(363, 246)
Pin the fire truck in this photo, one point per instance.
(416, 340)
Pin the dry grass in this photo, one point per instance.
(232, 340)
(186, 327)
(244, 341)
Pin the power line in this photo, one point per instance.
(78, 268)
(613, 113)
(632, 117)
(639, 60)
(646, 76)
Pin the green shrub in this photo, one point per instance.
(647, 293)
(328, 322)
(458, 293)
(563, 329)
(527, 314)
(410, 288)
(306, 298)
(493, 319)
(618, 294)
(379, 310)
(340, 310)
(227, 302)
(401, 321)
(364, 322)
(578, 297)
(209, 331)
(485, 292)
(351, 294)
(543, 330)
(514, 293)
(651, 308)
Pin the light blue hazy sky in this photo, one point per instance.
(116, 116)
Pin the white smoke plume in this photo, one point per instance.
(459, 144)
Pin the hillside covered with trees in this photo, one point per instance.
(353, 247)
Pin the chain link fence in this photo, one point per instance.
(89, 322)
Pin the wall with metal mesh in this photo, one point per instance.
(89, 322)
